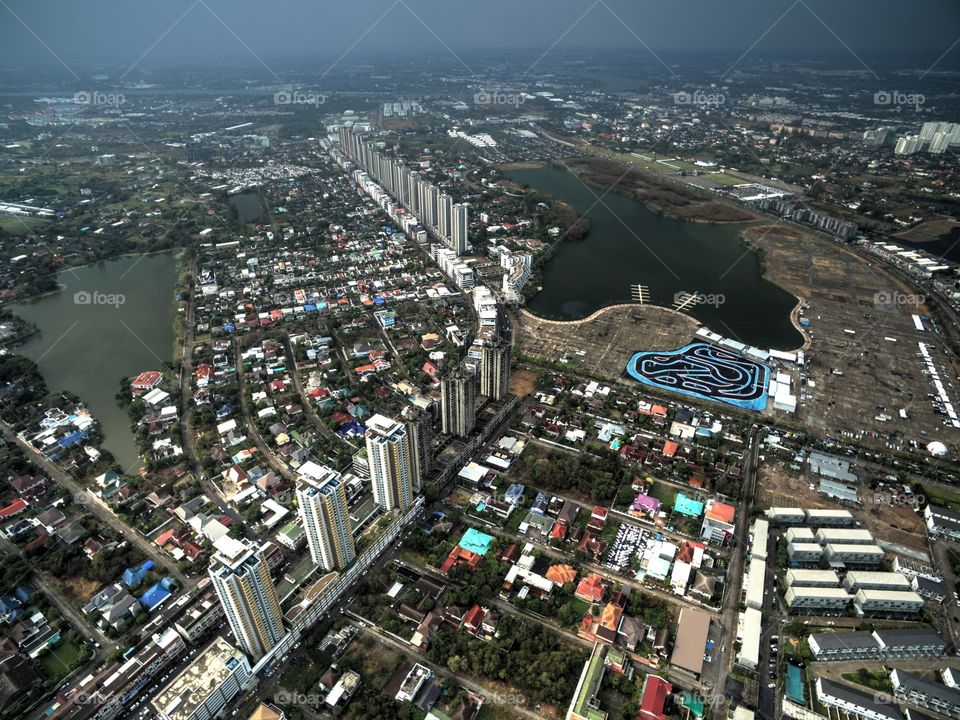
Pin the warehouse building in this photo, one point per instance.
(845, 536)
(942, 522)
(824, 517)
(759, 534)
(819, 600)
(756, 582)
(839, 491)
(802, 554)
(856, 556)
(934, 590)
(812, 578)
(887, 602)
(866, 580)
(856, 703)
(878, 645)
(860, 645)
(800, 535)
(925, 693)
(910, 643)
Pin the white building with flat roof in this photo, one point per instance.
(847, 555)
(808, 599)
(802, 577)
(748, 633)
(759, 533)
(867, 580)
(756, 581)
(828, 517)
(206, 685)
(804, 553)
(799, 535)
(847, 536)
(898, 602)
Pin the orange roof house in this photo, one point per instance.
(591, 588)
(722, 512)
(461, 556)
(561, 574)
(670, 448)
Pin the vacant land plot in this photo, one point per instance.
(603, 342)
(862, 343)
(781, 486)
(523, 382)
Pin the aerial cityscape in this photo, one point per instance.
(415, 360)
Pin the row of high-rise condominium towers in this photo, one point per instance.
(397, 456)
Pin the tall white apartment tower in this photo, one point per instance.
(392, 468)
(322, 496)
(241, 579)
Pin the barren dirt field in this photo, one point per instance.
(778, 486)
(603, 342)
(863, 352)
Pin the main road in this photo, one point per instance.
(93, 503)
(281, 467)
(731, 601)
(186, 411)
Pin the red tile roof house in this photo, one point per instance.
(14, 508)
(591, 589)
(145, 381)
(656, 690)
(473, 619)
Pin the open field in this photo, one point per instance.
(523, 382)
(606, 339)
(662, 195)
(854, 307)
(929, 230)
(723, 179)
(58, 662)
(780, 486)
(17, 224)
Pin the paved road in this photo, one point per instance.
(560, 555)
(96, 506)
(724, 659)
(265, 451)
(186, 410)
(439, 669)
(308, 407)
(510, 608)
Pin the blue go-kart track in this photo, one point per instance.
(704, 371)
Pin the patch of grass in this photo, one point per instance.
(61, 660)
(938, 495)
(724, 179)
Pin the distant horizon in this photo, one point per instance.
(138, 36)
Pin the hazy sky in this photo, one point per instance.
(152, 33)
